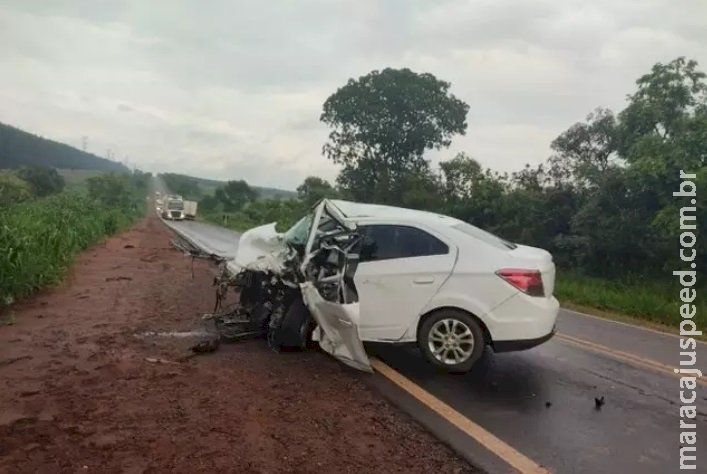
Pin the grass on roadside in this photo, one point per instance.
(285, 212)
(656, 302)
(40, 238)
(233, 221)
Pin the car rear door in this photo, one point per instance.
(400, 269)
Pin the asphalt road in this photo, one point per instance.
(542, 401)
(210, 238)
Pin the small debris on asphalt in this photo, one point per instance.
(598, 402)
(548, 404)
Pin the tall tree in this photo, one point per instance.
(584, 151)
(235, 194)
(461, 173)
(314, 189)
(382, 123)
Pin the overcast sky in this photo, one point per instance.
(230, 90)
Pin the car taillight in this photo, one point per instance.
(528, 281)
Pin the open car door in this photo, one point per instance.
(330, 261)
(337, 330)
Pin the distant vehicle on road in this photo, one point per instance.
(190, 209)
(173, 209)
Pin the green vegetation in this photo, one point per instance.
(196, 188)
(655, 301)
(285, 212)
(44, 181)
(78, 177)
(19, 148)
(382, 124)
(39, 237)
(42, 224)
(13, 189)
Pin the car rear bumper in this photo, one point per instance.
(522, 318)
(522, 344)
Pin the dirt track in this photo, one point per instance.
(82, 392)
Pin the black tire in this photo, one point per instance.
(441, 352)
(295, 329)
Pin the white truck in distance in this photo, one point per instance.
(190, 209)
(173, 208)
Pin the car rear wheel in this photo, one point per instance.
(451, 340)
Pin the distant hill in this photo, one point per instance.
(208, 186)
(19, 148)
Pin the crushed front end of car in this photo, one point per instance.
(297, 287)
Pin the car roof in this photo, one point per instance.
(358, 211)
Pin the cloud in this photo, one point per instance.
(230, 89)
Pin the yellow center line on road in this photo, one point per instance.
(510, 455)
(623, 356)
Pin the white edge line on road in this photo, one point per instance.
(508, 454)
(642, 328)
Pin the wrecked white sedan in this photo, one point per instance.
(351, 272)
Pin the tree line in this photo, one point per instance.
(602, 203)
(19, 148)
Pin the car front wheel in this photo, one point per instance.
(451, 340)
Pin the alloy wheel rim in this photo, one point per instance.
(451, 341)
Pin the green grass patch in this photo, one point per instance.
(657, 302)
(285, 212)
(40, 238)
(234, 220)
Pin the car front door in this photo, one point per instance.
(401, 267)
(337, 320)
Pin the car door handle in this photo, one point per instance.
(423, 280)
(346, 323)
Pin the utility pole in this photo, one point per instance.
(84, 142)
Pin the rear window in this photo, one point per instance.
(484, 236)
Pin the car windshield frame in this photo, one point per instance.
(298, 234)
